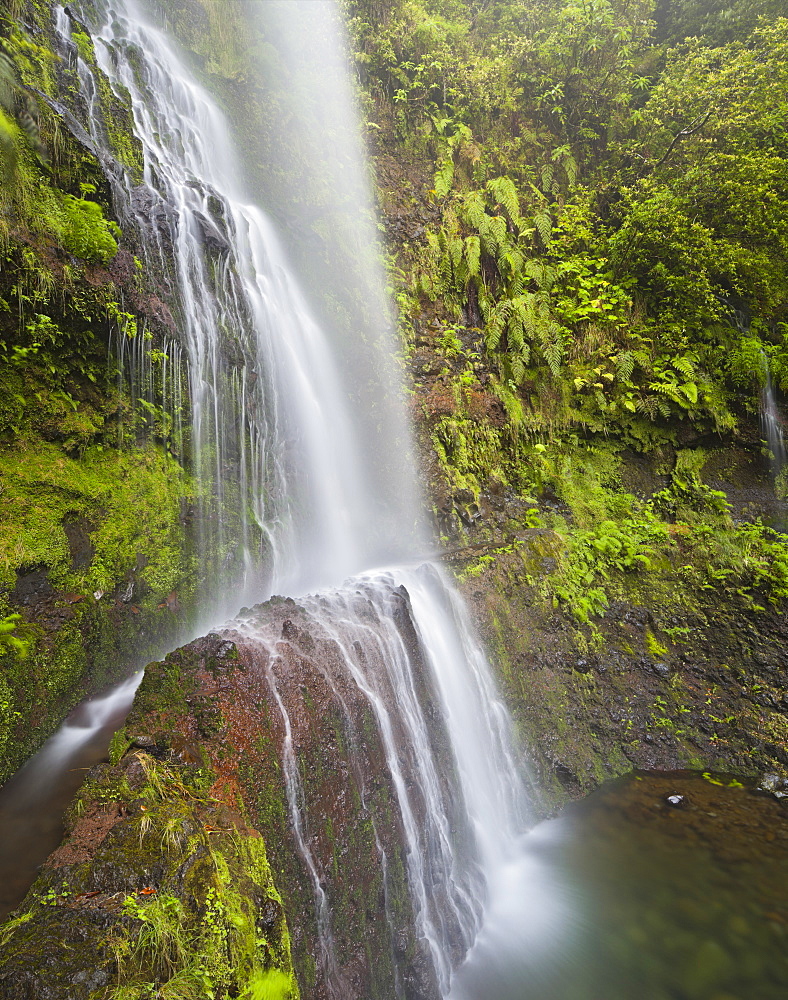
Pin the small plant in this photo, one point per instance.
(8, 625)
(655, 648)
(271, 985)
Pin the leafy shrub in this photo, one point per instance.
(84, 231)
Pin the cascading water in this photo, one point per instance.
(273, 441)
(289, 455)
(461, 812)
(771, 423)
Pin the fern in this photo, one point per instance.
(506, 194)
(444, 178)
(496, 324)
(542, 274)
(685, 365)
(546, 176)
(455, 248)
(514, 261)
(518, 369)
(497, 236)
(690, 390)
(563, 156)
(625, 365)
(544, 225)
(473, 209)
(570, 169)
(554, 355)
(473, 251)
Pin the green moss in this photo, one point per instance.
(128, 501)
(211, 926)
(655, 648)
(84, 44)
(83, 230)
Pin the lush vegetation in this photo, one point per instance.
(598, 266)
(610, 201)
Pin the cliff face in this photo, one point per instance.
(96, 511)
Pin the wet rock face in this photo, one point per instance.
(666, 687)
(269, 715)
(297, 706)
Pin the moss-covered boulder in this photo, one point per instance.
(161, 888)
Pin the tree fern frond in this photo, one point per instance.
(473, 251)
(506, 194)
(544, 225)
(444, 178)
(546, 175)
(625, 365)
(473, 209)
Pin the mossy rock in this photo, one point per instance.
(155, 887)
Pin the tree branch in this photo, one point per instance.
(691, 129)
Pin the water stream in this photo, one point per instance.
(33, 801)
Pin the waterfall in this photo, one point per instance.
(273, 440)
(297, 440)
(771, 422)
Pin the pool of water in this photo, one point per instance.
(33, 801)
(631, 895)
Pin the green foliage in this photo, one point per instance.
(84, 231)
(614, 543)
(610, 212)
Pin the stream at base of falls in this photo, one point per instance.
(33, 801)
(628, 894)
